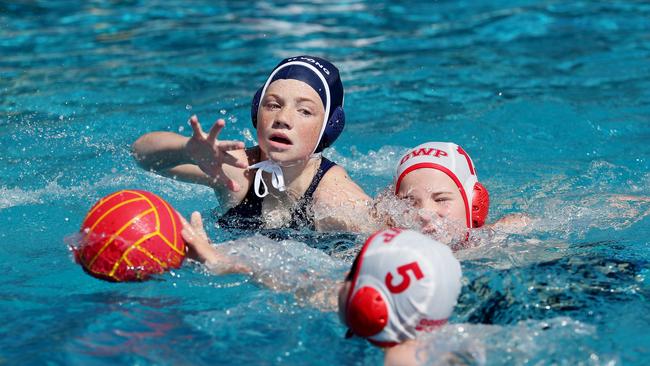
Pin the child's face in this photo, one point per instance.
(289, 120)
(435, 194)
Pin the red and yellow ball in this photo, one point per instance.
(130, 235)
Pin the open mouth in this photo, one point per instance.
(280, 139)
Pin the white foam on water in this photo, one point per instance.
(93, 190)
(530, 342)
(571, 206)
(11, 197)
(290, 266)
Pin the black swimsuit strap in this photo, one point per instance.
(325, 165)
(248, 213)
(301, 216)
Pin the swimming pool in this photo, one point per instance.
(550, 98)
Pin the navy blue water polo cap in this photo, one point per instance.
(324, 78)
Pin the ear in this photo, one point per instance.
(367, 313)
(255, 105)
(480, 205)
(335, 125)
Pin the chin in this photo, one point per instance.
(287, 156)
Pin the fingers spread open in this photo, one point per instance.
(216, 129)
(183, 221)
(234, 161)
(196, 126)
(228, 145)
(188, 234)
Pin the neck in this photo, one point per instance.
(297, 176)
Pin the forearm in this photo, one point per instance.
(217, 261)
(161, 150)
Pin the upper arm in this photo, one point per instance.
(517, 223)
(340, 204)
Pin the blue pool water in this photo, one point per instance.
(551, 99)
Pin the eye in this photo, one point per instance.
(305, 112)
(410, 200)
(271, 105)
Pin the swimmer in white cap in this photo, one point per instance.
(297, 113)
(439, 179)
(402, 284)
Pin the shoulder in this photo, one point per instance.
(340, 204)
(336, 184)
(403, 354)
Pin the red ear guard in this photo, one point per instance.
(480, 205)
(367, 313)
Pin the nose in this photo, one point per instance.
(282, 118)
(427, 220)
(426, 215)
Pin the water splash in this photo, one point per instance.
(289, 266)
(562, 339)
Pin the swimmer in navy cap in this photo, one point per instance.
(297, 113)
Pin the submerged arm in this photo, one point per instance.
(281, 267)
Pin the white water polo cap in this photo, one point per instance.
(402, 283)
(456, 163)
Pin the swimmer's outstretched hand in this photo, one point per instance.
(210, 154)
(198, 243)
(200, 249)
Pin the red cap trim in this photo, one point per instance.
(444, 169)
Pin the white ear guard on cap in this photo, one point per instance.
(456, 163)
(402, 283)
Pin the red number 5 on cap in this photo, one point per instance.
(403, 271)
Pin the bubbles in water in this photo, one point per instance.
(527, 342)
(289, 266)
(10, 197)
(188, 107)
(222, 111)
(181, 128)
(247, 135)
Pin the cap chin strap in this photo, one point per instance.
(277, 177)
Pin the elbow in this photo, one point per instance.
(137, 150)
(159, 150)
(141, 151)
